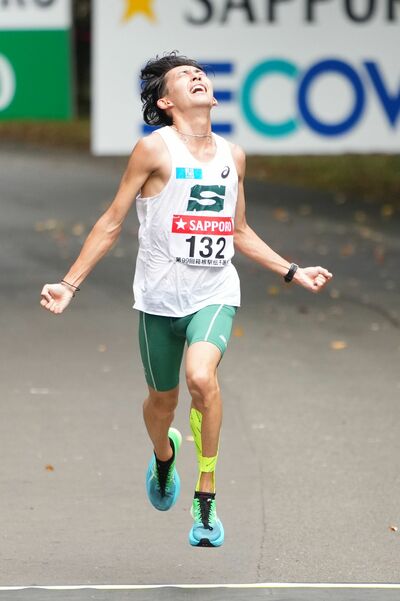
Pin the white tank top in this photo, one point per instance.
(186, 234)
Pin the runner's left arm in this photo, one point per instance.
(250, 244)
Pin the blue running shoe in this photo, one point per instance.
(207, 530)
(163, 488)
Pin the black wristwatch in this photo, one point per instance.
(292, 270)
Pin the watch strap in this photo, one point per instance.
(290, 274)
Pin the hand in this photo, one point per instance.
(56, 297)
(312, 278)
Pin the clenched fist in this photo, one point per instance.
(56, 297)
(312, 278)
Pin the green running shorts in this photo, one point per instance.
(162, 340)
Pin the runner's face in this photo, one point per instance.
(187, 87)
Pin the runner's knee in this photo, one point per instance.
(163, 403)
(203, 387)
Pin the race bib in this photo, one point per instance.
(202, 241)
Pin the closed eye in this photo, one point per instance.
(187, 72)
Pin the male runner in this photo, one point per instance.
(188, 185)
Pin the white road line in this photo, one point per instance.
(122, 587)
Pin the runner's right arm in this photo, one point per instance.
(142, 164)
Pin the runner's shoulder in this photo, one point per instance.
(151, 143)
(239, 156)
(150, 149)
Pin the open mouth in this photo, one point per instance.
(199, 88)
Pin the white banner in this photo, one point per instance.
(291, 76)
(35, 14)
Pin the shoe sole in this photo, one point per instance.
(176, 437)
(206, 542)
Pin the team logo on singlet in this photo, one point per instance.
(206, 198)
(189, 173)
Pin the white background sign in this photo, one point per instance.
(292, 76)
(35, 14)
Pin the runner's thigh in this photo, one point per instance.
(212, 324)
(161, 351)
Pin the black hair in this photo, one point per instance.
(153, 84)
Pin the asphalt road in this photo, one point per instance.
(309, 470)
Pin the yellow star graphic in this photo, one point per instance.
(133, 7)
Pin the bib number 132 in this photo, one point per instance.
(207, 247)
